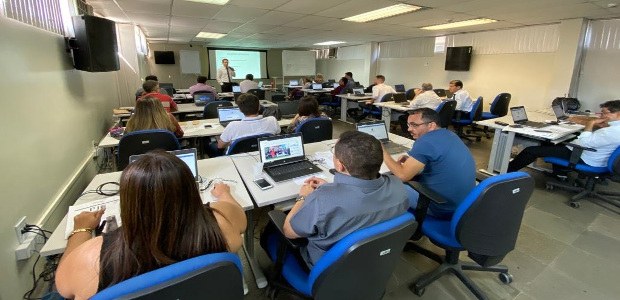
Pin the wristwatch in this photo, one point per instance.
(300, 198)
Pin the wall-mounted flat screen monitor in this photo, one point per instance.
(458, 58)
(164, 57)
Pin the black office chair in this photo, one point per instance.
(446, 111)
(486, 225)
(357, 267)
(316, 129)
(210, 111)
(260, 94)
(474, 115)
(245, 144)
(499, 108)
(440, 92)
(593, 176)
(143, 141)
(410, 94)
(213, 276)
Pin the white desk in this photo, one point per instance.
(387, 107)
(504, 137)
(311, 91)
(344, 101)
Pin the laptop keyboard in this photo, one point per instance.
(394, 148)
(290, 171)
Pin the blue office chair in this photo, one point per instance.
(332, 102)
(499, 108)
(459, 123)
(485, 224)
(592, 174)
(210, 111)
(213, 276)
(316, 129)
(374, 110)
(143, 141)
(357, 267)
(245, 144)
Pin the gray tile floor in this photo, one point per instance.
(561, 253)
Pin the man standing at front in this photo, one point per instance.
(225, 74)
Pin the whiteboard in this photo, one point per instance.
(298, 63)
(190, 62)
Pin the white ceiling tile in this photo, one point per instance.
(252, 27)
(194, 9)
(188, 22)
(147, 19)
(238, 14)
(277, 18)
(309, 21)
(308, 7)
(264, 4)
(353, 7)
(146, 6)
(221, 26)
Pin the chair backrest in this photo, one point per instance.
(477, 109)
(216, 275)
(143, 141)
(387, 97)
(360, 265)
(245, 144)
(315, 130)
(613, 163)
(278, 97)
(487, 222)
(446, 110)
(260, 94)
(500, 104)
(409, 94)
(210, 111)
(440, 92)
(288, 107)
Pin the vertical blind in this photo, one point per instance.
(44, 14)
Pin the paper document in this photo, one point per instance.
(300, 180)
(112, 208)
(324, 158)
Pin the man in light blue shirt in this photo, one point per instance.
(605, 140)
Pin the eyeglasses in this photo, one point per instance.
(416, 125)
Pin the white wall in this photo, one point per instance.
(355, 59)
(50, 115)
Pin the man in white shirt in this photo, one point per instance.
(463, 100)
(248, 83)
(251, 124)
(225, 74)
(605, 140)
(425, 97)
(378, 91)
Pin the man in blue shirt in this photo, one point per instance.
(438, 159)
(359, 197)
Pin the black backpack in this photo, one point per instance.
(569, 104)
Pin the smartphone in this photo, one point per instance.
(263, 184)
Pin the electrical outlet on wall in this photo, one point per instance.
(19, 227)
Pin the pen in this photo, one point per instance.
(547, 131)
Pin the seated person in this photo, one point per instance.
(151, 89)
(359, 197)
(350, 81)
(150, 114)
(319, 78)
(604, 140)
(464, 103)
(341, 89)
(425, 97)
(202, 86)
(140, 90)
(378, 91)
(307, 83)
(248, 84)
(308, 109)
(251, 124)
(438, 159)
(163, 222)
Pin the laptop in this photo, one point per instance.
(288, 109)
(317, 86)
(379, 131)
(520, 117)
(327, 84)
(331, 80)
(236, 89)
(358, 91)
(399, 98)
(188, 156)
(400, 88)
(283, 157)
(559, 112)
(293, 83)
(229, 114)
(203, 99)
(168, 87)
(336, 84)
(260, 84)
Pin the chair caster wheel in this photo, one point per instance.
(419, 292)
(574, 204)
(505, 278)
(549, 187)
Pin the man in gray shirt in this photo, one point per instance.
(359, 197)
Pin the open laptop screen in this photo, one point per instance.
(260, 84)
(518, 114)
(317, 86)
(559, 112)
(236, 89)
(376, 129)
(281, 148)
(203, 98)
(400, 88)
(188, 156)
(227, 114)
(293, 82)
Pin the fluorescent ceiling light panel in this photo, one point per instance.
(218, 2)
(329, 43)
(382, 13)
(210, 35)
(471, 22)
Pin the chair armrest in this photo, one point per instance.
(277, 217)
(427, 193)
(576, 154)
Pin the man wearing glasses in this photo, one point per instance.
(438, 159)
(605, 140)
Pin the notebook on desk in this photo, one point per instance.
(379, 131)
(283, 157)
(229, 114)
(519, 116)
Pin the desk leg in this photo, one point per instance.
(248, 248)
(386, 116)
(500, 152)
(343, 109)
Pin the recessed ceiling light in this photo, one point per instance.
(210, 35)
(329, 43)
(381, 13)
(218, 2)
(471, 22)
